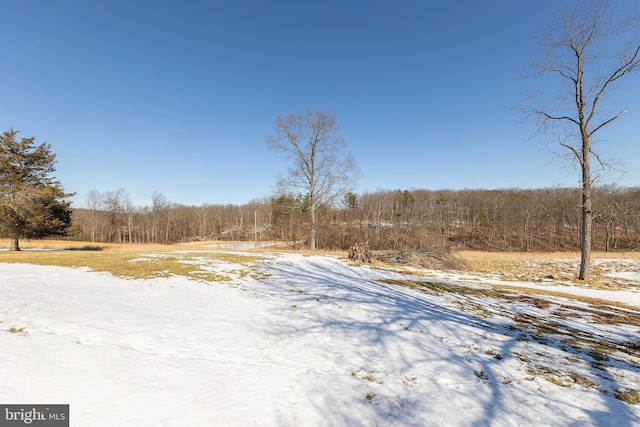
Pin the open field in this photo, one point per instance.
(138, 260)
(187, 333)
(135, 261)
(117, 259)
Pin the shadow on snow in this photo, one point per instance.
(382, 322)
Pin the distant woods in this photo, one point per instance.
(500, 220)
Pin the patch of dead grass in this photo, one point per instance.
(562, 379)
(537, 256)
(545, 328)
(627, 314)
(600, 311)
(138, 261)
(631, 397)
(441, 287)
(552, 267)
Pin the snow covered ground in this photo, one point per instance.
(313, 342)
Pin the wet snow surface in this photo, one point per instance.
(315, 342)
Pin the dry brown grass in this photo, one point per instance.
(632, 397)
(442, 288)
(537, 256)
(599, 310)
(132, 260)
(554, 266)
(547, 327)
(138, 261)
(66, 244)
(507, 266)
(562, 379)
(185, 246)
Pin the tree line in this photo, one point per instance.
(546, 219)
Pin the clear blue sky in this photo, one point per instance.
(178, 96)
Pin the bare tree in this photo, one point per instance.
(119, 202)
(588, 52)
(94, 202)
(322, 172)
(159, 204)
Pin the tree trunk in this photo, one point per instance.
(14, 245)
(129, 229)
(585, 244)
(312, 226)
(587, 213)
(93, 226)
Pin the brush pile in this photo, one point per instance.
(432, 260)
(360, 253)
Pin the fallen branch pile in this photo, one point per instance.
(360, 253)
(436, 260)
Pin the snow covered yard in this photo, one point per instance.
(315, 341)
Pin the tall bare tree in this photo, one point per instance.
(94, 202)
(119, 202)
(159, 204)
(588, 52)
(321, 171)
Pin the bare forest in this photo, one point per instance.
(496, 220)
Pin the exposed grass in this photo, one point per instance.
(562, 379)
(493, 353)
(27, 244)
(554, 267)
(573, 341)
(601, 311)
(462, 304)
(441, 288)
(481, 374)
(543, 324)
(632, 397)
(369, 375)
(557, 268)
(141, 261)
(537, 256)
(627, 314)
(596, 311)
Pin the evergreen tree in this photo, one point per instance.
(32, 202)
